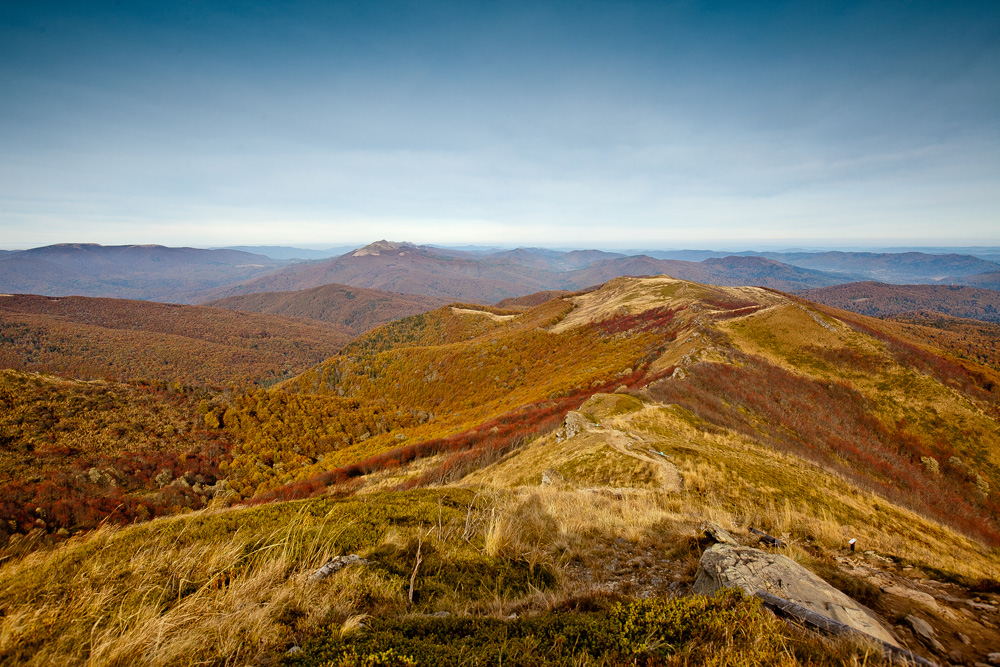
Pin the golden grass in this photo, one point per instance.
(169, 602)
(790, 336)
(736, 483)
(232, 586)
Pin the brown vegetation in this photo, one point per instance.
(881, 300)
(77, 454)
(119, 339)
(356, 308)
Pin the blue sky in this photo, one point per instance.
(604, 124)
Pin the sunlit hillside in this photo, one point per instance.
(532, 483)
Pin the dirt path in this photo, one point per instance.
(483, 313)
(629, 446)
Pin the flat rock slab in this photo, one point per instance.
(731, 566)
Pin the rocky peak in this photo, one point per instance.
(384, 247)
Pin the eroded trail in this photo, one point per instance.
(627, 444)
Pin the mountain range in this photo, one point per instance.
(127, 272)
(188, 275)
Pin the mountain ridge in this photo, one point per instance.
(555, 461)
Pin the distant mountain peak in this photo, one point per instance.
(384, 247)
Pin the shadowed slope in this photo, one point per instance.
(358, 308)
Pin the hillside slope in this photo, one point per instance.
(987, 280)
(729, 271)
(887, 400)
(882, 300)
(116, 338)
(75, 455)
(356, 308)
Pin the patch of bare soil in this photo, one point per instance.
(629, 569)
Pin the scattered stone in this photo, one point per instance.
(956, 657)
(336, 564)
(921, 627)
(924, 630)
(981, 606)
(294, 650)
(994, 658)
(730, 566)
(770, 540)
(925, 599)
(964, 638)
(718, 533)
(550, 476)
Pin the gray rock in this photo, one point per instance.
(718, 533)
(921, 627)
(576, 423)
(550, 476)
(964, 638)
(981, 606)
(994, 658)
(731, 566)
(925, 631)
(336, 564)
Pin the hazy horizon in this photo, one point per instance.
(597, 124)
(705, 246)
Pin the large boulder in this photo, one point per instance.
(732, 566)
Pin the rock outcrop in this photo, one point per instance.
(336, 564)
(731, 566)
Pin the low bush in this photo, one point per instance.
(729, 628)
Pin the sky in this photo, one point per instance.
(571, 124)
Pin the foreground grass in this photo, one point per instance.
(728, 629)
(232, 587)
